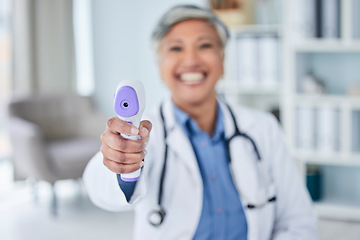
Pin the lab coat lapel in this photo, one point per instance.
(243, 158)
(243, 168)
(179, 144)
(246, 180)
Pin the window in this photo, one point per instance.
(5, 90)
(5, 48)
(83, 47)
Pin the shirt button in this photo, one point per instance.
(219, 210)
(203, 143)
(212, 176)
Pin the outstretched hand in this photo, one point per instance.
(123, 155)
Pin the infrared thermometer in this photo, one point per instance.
(129, 105)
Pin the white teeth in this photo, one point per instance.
(191, 77)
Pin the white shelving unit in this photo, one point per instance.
(258, 96)
(298, 57)
(338, 211)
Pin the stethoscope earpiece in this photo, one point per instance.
(156, 217)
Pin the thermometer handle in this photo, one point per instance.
(133, 176)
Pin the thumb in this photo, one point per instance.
(145, 129)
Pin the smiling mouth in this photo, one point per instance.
(192, 78)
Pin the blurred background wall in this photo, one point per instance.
(122, 47)
(306, 74)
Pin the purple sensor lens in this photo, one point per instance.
(126, 102)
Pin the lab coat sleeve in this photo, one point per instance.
(295, 218)
(103, 187)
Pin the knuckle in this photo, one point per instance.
(139, 158)
(121, 158)
(123, 144)
(143, 146)
(102, 137)
(102, 149)
(106, 137)
(121, 124)
(137, 146)
(121, 168)
(140, 144)
(110, 122)
(106, 162)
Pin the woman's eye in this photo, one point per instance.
(206, 45)
(175, 49)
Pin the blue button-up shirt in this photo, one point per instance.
(222, 214)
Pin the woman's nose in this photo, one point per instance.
(191, 58)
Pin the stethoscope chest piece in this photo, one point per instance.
(156, 217)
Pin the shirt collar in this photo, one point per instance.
(191, 127)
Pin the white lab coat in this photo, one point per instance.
(290, 217)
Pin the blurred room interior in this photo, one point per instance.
(61, 60)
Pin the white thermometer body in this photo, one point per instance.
(129, 104)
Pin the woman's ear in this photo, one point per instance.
(222, 63)
(223, 55)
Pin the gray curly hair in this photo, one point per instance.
(185, 12)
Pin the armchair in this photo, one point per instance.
(53, 137)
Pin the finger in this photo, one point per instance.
(144, 130)
(146, 124)
(122, 168)
(121, 157)
(117, 142)
(119, 126)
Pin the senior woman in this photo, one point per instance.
(212, 171)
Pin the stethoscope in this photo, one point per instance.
(157, 216)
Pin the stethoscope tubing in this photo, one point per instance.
(159, 213)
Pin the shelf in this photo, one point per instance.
(337, 211)
(331, 45)
(256, 29)
(335, 62)
(350, 102)
(233, 87)
(328, 158)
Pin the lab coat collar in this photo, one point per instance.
(243, 166)
(179, 142)
(245, 121)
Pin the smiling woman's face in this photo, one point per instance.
(191, 62)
